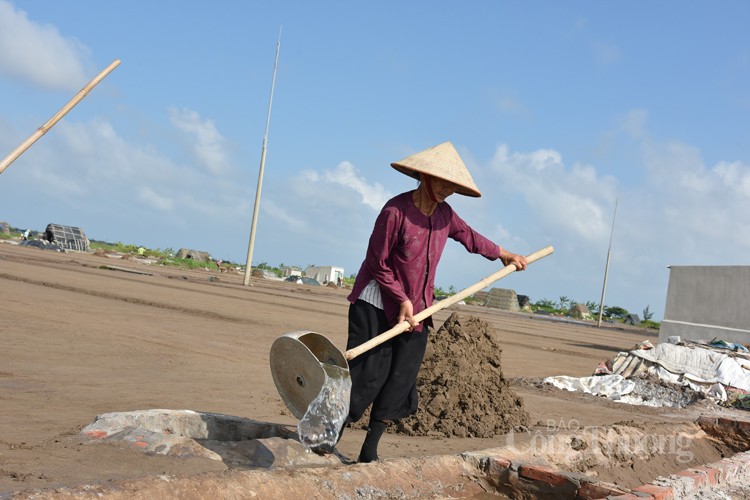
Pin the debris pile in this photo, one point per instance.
(675, 374)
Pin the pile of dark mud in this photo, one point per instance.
(462, 390)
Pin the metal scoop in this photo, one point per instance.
(297, 360)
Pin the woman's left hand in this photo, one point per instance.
(508, 258)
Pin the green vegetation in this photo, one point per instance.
(546, 305)
(563, 306)
(615, 312)
(647, 314)
(278, 271)
(131, 249)
(15, 234)
(185, 263)
(611, 313)
(164, 257)
(592, 306)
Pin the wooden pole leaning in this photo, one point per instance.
(453, 299)
(5, 162)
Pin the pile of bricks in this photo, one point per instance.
(536, 481)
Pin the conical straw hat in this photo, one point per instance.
(440, 161)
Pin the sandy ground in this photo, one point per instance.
(80, 339)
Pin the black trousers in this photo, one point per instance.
(385, 376)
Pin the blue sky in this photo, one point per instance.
(557, 108)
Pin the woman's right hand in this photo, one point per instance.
(406, 313)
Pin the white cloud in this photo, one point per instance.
(38, 53)
(669, 164)
(735, 177)
(311, 175)
(703, 206)
(93, 165)
(64, 186)
(572, 199)
(373, 195)
(696, 206)
(154, 200)
(97, 153)
(506, 239)
(207, 142)
(281, 215)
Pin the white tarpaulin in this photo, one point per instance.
(696, 363)
(611, 386)
(731, 372)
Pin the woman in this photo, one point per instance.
(397, 281)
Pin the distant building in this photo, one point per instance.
(325, 274)
(707, 302)
(291, 271)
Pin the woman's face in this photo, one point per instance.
(442, 189)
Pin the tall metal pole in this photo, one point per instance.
(606, 267)
(248, 270)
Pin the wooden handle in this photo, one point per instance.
(5, 162)
(442, 304)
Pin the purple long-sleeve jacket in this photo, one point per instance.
(404, 251)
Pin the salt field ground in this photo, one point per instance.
(84, 335)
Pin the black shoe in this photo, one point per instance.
(369, 451)
(366, 460)
(323, 449)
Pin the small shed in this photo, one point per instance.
(292, 271)
(196, 255)
(580, 311)
(67, 237)
(632, 319)
(502, 298)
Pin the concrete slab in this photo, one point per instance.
(238, 442)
